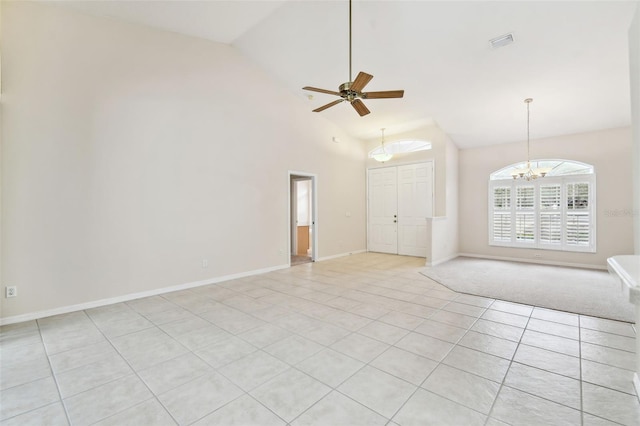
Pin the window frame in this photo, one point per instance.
(564, 182)
(402, 146)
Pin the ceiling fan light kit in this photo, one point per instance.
(351, 91)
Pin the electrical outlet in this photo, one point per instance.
(205, 263)
(11, 291)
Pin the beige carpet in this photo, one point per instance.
(582, 291)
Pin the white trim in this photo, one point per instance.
(402, 163)
(397, 165)
(539, 262)
(119, 299)
(366, 212)
(636, 384)
(439, 261)
(563, 182)
(560, 161)
(335, 256)
(426, 147)
(314, 213)
(437, 218)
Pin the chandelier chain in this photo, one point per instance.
(528, 149)
(527, 172)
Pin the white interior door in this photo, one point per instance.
(415, 204)
(400, 200)
(383, 201)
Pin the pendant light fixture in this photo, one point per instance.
(382, 156)
(527, 172)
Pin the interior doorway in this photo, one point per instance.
(302, 218)
(400, 199)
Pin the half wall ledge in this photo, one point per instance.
(627, 269)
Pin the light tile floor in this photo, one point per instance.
(360, 340)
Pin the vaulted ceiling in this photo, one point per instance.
(571, 57)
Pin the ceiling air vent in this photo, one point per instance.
(501, 41)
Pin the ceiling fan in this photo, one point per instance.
(351, 91)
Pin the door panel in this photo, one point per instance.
(405, 191)
(383, 235)
(415, 204)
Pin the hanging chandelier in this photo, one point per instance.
(527, 172)
(382, 156)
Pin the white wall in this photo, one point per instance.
(131, 154)
(438, 140)
(442, 229)
(634, 73)
(608, 150)
(448, 243)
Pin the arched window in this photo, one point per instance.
(555, 212)
(555, 167)
(401, 147)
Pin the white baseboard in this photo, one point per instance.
(335, 256)
(439, 261)
(119, 299)
(539, 262)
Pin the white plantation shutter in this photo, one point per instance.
(550, 208)
(578, 217)
(502, 198)
(525, 214)
(502, 214)
(551, 228)
(502, 226)
(524, 197)
(525, 227)
(578, 229)
(556, 213)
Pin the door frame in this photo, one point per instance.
(292, 174)
(399, 164)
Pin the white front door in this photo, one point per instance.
(400, 200)
(415, 204)
(383, 201)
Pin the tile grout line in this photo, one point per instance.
(299, 309)
(135, 372)
(511, 361)
(215, 369)
(439, 363)
(335, 389)
(367, 364)
(580, 364)
(53, 375)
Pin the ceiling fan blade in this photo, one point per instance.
(360, 107)
(329, 105)
(361, 80)
(315, 89)
(384, 95)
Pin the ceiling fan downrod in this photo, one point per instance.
(350, 73)
(352, 90)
